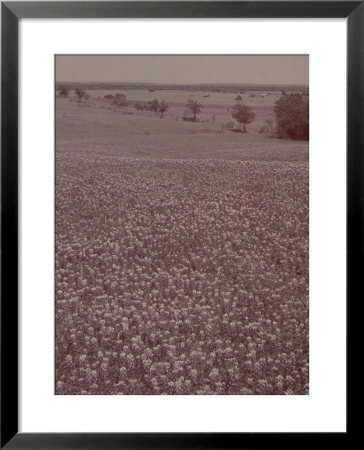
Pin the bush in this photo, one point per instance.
(79, 93)
(63, 91)
(119, 100)
(153, 105)
(187, 116)
(194, 107)
(292, 116)
(162, 108)
(267, 128)
(243, 114)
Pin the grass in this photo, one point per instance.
(145, 135)
(181, 253)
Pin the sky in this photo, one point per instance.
(184, 69)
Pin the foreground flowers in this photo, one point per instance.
(181, 277)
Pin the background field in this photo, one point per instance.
(181, 250)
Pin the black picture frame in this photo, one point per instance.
(11, 12)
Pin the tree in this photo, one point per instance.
(243, 114)
(163, 107)
(63, 91)
(194, 107)
(238, 98)
(79, 93)
(292, 116)
(119, 100)
(153, 105)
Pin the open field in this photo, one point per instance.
(181, 252)
(216, 104)
(126, 132)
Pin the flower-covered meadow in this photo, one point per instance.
(181, 276)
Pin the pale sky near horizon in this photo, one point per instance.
(184, 69)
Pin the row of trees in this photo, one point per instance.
(291, 112)
(63, 91)
(161, 107)
(156, 106)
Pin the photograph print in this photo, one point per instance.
(182, 225)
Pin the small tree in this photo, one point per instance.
(79, 93)
(153, 105)
(119, 100)
(292, 116)
(163, 107)
(243, 114)
(238, 98)
(194, 107)
(63, 91)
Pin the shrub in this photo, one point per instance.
(187, 116)
(194, 107)
(292, 115)
(63, 91)
(267, 128)
(162, 108)
(79, 93)
(153, 105)
(243, 114)
(119, 100)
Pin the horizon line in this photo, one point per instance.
(188, 84)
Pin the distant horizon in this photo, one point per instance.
(182, 84)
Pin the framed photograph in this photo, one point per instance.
(181, 207)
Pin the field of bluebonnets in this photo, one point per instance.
(179, 275)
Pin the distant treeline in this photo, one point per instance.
(206, 87)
